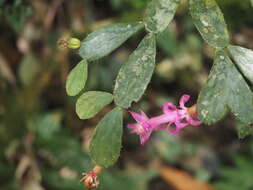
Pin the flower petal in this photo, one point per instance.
(134, 128)
(173, 131)
(131, 126)
(193, 122)
(179, 126)
(183, 100)
(144, 115)
(169, 107)
(139, 118)
(145, 136)
(161, 127)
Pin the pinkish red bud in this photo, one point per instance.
(71, 43)
(62, 43)
(90, 179)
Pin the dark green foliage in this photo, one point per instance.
(46, 125)
(90, 103)
(244, 59)
(15, 14)
(77, 78)
(239, 177)
(225, 88)
(106, 141)
(209, 21)
(64, 150)
(159, 14)
(53, 180)
(104, 40)
(136, 73)
(244, 130)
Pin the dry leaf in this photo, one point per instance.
(181, 180)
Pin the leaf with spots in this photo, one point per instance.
(225, 89)
(77, 78)
(106, 141)
(210, 22)
(90, 103)
(159, 14)
(104, 40)
(244, 60)
(136, 73)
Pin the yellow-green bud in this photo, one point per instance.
(74, 43)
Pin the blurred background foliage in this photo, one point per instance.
(44, 144)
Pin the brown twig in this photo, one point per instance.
(51, 14)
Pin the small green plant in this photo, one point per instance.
(225, 90)
(15, 14)
(238, 177)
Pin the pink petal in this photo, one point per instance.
(173, 132)
(144, 115)
(183, 100)
(144, 137)
(169, 107)
(193, 122)
(131, 126)
(139, 118)
(161, 127)
(134, 128)
(179, 126)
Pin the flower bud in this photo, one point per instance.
(62, 43)
(74, 43)
(90, 179)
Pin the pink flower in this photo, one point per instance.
(141, 127)
(172, 116)
(170, 110)
(185, 116)
(188, 115)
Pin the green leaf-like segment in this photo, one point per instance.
(210, 22)
(136, 73)
(90, 103)
(244, 59)
(225, 89)
(77, 78)
(104, 40)
(244, 130)
(159, 14)
(106, 141)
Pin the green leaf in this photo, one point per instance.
(210, 22)
(231, 180)
(136, 73)
(77, 78)
(104, 40)
(159, 14)
(106, 141)
(244, 59)
(62, 150)
(29, 69)
(48, 124)
(90, 103)
(224, 89)
(243, 130)
(52, 177)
